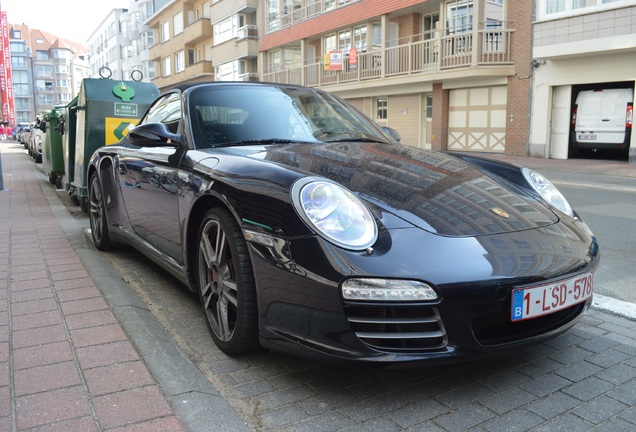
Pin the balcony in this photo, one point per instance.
(224, 9)
(197, 31)
(416, 57)
(235, 49)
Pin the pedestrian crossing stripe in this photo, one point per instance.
(117, 128)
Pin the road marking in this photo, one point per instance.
(602, 186)
(617, 307)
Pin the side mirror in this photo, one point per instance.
(153, 135)
(393, 133)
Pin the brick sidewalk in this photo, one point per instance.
(66, 362)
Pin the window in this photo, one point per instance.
(21, 90)
(22, 103)
(17, 47)
(459, 16)
(360, 38)
(61, 54)
(41, 55)
(429, 106)
(151, 70)
(45, 99)
(166, 110)
(146, 10)
(330, 43)
(147, 39)
(228, 28)
(20, 76)
(273, 60)
(563, 7)
(430, 23)
(344, 40)
(17, 34)
(61, 69)
(165, 31)
(62, 83)
(273, 15)
(179, 62)
(382, 108)
(191, 58)
(43, 70)
(223, 31)
(18, 62)
(166, 66)
(177, 21)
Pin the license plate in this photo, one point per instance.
(587, 137)
(532, 302)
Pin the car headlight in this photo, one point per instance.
(334, 213)
(548, 191)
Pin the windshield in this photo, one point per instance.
(235, 114)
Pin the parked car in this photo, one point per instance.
(21, 133)
(305, 227)
(35, 140)
(602, 120)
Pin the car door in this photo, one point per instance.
(148, 177)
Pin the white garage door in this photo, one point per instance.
(477, 119)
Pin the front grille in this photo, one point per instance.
(397, 328)
(498, 328)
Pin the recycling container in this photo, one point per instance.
(67, 127)
(106, 111)
(52, 151)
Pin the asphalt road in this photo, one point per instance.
(608, 205)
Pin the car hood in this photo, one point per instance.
(433, 190)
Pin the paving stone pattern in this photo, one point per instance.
(65, 362)
(581, 381)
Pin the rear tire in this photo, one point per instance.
(97, 215)
(226, 283)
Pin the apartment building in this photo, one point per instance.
(446, 74)
(137, 38)
(105, 47)
(578, 45)
(205, 41)
(47, 70)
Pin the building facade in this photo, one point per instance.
(105, 47)
(578, 45)
(446, 74)
(47, 70)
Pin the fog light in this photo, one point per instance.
(387, 290)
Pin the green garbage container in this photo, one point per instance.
(106, 111)
(67, 127)
(52, 151)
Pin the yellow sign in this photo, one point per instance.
(117, 128)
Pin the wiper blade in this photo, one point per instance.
(356, 140)
(255, 141)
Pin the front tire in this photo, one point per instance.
(97, 215)
(226, 283)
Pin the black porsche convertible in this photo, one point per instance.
(304, 227)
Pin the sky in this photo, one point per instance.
(75, 20)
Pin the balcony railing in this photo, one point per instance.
(247, 32)
(248, 77)
(413, 57)
(279, 21)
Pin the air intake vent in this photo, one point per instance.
(396, 328)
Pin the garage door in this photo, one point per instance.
(477, 119)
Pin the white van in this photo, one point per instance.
(602, 119)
